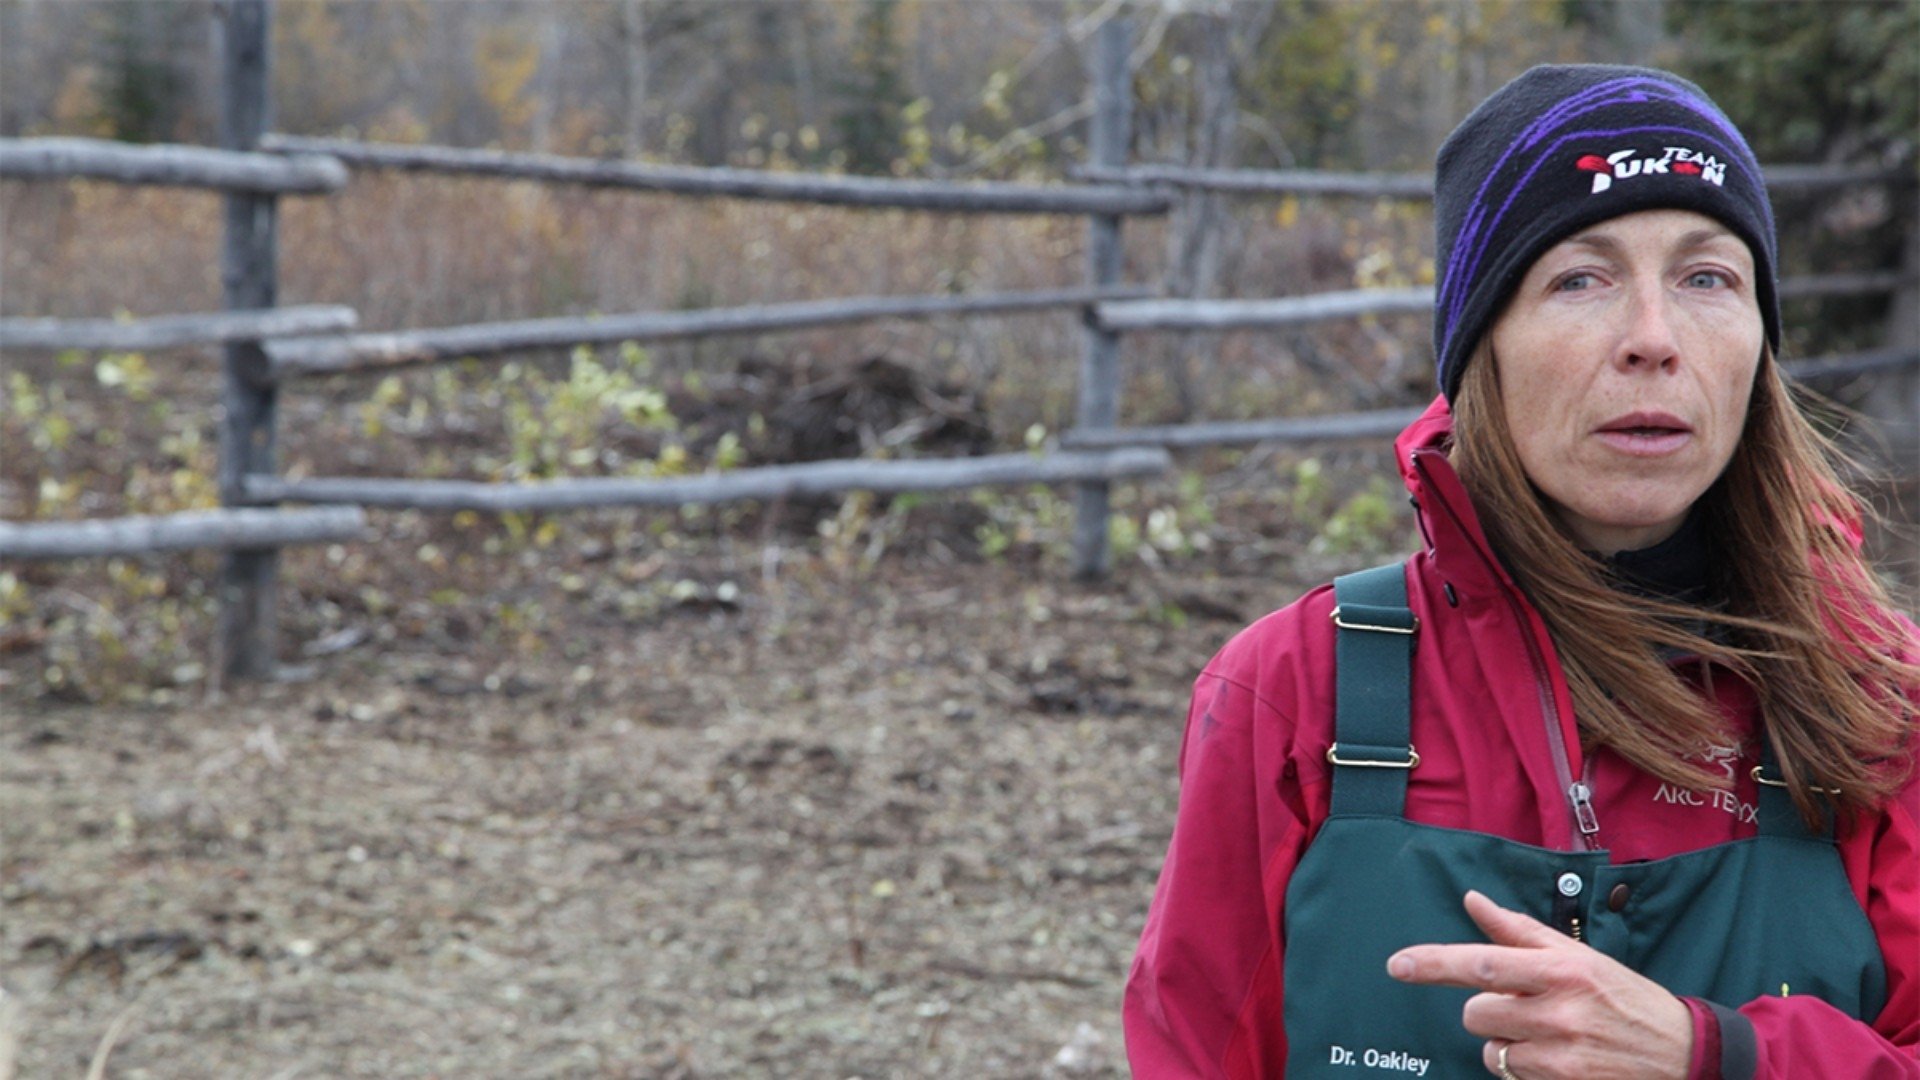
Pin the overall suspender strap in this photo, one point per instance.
(1373, 648)
(1777, 814)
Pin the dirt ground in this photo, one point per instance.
(853, 789)
(801, 815)
(850, 790)
(809, 820)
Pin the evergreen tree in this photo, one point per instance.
(142, 93)
(870, 124)
(1812, 81)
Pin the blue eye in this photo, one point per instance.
(1573, 282)
(1706, 279)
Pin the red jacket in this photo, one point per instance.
(1204, 996)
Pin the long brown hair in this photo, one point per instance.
(1799, 614)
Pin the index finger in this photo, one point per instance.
(1502, 969)
(1504, 926)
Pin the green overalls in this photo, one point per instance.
(1729, 923)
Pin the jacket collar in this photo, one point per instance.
(1456, 544)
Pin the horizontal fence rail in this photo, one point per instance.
(173, 331)
(1386, 423)
(1781, 179)
(1258, 314)
(768, 482)
(1883, 281)
(269, 346)
(978, 197)
(1383, 424)
(170, 166)
(1267, 182)
(1847, 365)
(242, 529)
(1176, 314)
(371, 352)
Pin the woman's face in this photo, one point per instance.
(1626, 358)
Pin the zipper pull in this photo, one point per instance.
(1582, 798)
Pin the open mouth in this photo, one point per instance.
(1646, 433)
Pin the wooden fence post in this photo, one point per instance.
(1099, 391)
(246, 644)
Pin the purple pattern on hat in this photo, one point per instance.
(1530, 134)
(1472, 238)
(1480, 242)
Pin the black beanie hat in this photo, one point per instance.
(1563, 147)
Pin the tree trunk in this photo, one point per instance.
(804, 92)
(633, 33)
(1194, 240)
(1639, 28)
(546, 78)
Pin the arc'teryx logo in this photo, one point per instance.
(1725, 757)
(1627, 164)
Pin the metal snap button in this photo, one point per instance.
(1570, 884)
(1617, 896)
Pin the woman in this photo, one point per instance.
(1614, 778)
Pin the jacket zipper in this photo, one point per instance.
(1579, 796)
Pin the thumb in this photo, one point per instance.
(1507, 927)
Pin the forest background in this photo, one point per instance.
(853, 786)
(955, 90)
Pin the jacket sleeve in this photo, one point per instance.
(1804, 1036)
(1204, 997)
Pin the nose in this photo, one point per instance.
(1648, 341)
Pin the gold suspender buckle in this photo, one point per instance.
(1412, 762)
(1771, 782)
(1375, 627)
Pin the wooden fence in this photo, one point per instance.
(268, 348)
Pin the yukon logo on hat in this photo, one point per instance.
(1627, 164)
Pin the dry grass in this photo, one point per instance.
(418, 251)
(411, 251)
(97, 1068)
(894, 809)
